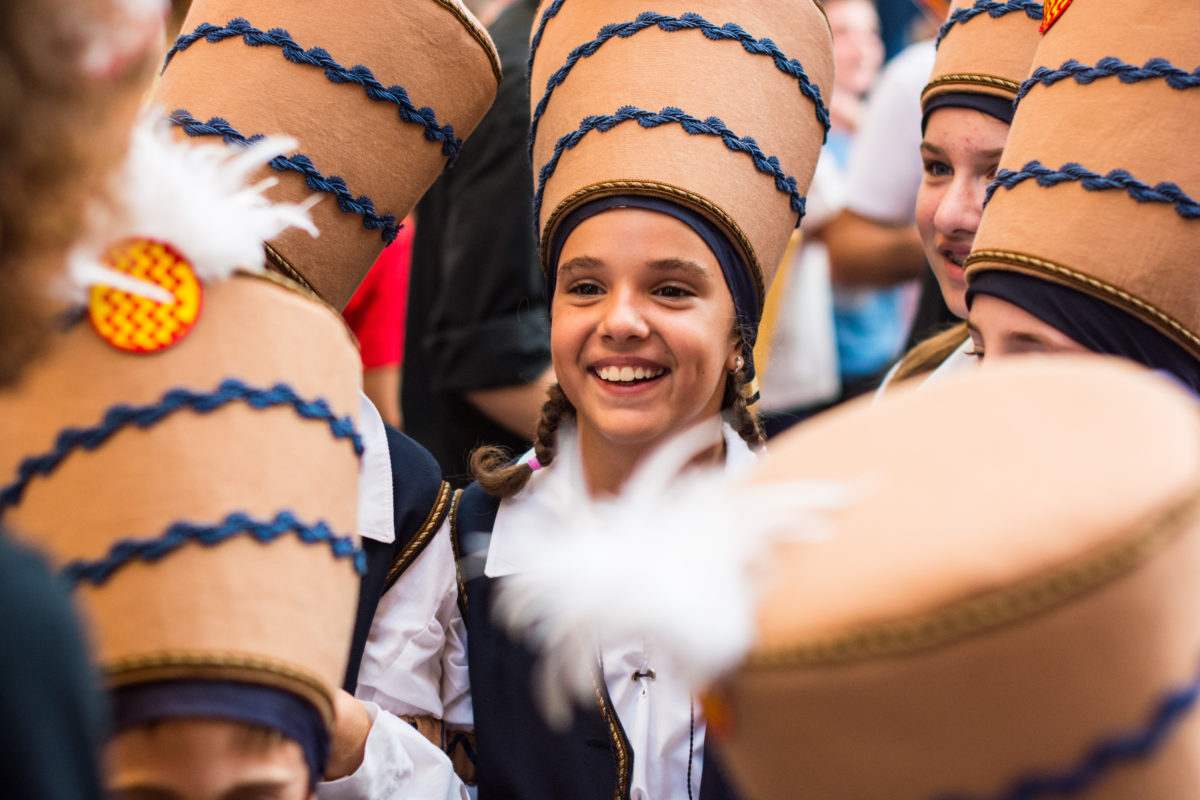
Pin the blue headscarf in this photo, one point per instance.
(266, 706)
(1099, 326)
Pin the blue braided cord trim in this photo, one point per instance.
(536, 41)
(669, 24)
(670, 116)
(1109, 66)
(126, 551)
(1117, 179)
(334, 184)
(1107, 754)
(119, 417)
(334, 71)
(993, 9)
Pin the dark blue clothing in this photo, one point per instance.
(420, 501)
(50, 708)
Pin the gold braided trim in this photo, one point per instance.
(276, 260)
(669, 192)
(472, 25)
(993, 609)
(223, 666)
(424, 534)
(457, 550)
(1094, 286)
(616, 737)
(990, 81)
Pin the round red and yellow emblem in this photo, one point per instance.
(139, 324)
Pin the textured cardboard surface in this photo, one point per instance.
(984, 55)
(653, 69)
(1106, 242)
(434, 49)
(287, 605)
(978, 487)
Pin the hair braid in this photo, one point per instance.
(492, 466)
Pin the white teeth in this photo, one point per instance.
(628, 374)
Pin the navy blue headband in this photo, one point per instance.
(1099, 326)
(267, 706)
(1002, 108)
(747, 305)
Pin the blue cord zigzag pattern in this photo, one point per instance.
(993, 9)
(670, 116)
(669, 24)
(536, 41)
(334, 184)
(147, 416)
(334, 71)
(1117, 179)
(1110, 66)
(1107, 754)
(126, 551)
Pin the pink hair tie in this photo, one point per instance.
(534, 464)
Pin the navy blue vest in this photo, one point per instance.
(420, 500)
(519, 757)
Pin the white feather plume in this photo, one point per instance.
(676, 559)
(193, 196)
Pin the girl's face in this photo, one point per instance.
(961, 151)
(642, 328)
(1000, 329)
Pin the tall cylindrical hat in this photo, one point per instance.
(1097, 190)
(719, 108)
(380, 96)
(187, 454)
(983, 49)
(1009, 610)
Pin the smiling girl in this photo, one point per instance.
(967, 108)
(670, 153)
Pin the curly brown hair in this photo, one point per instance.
(60, 136)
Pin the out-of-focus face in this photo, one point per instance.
(642, 328)
(1000, 329)
(857, 48)
(205, 759)
(961, 153)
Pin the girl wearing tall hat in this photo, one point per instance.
(1091, 235)
(670, 153)
(967, 108)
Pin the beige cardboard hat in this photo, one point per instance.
(201, 497)
(719, 107)
(984, 47)
(380, 96)
(1011, 609)
(1097, 188)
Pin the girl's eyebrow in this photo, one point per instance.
(579, 263)
(686, 266)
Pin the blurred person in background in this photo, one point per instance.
(873, 242)
(477, 359)
(813, 345)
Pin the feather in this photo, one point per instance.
(194, 197)
(678, 559)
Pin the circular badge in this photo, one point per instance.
(139, 324)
